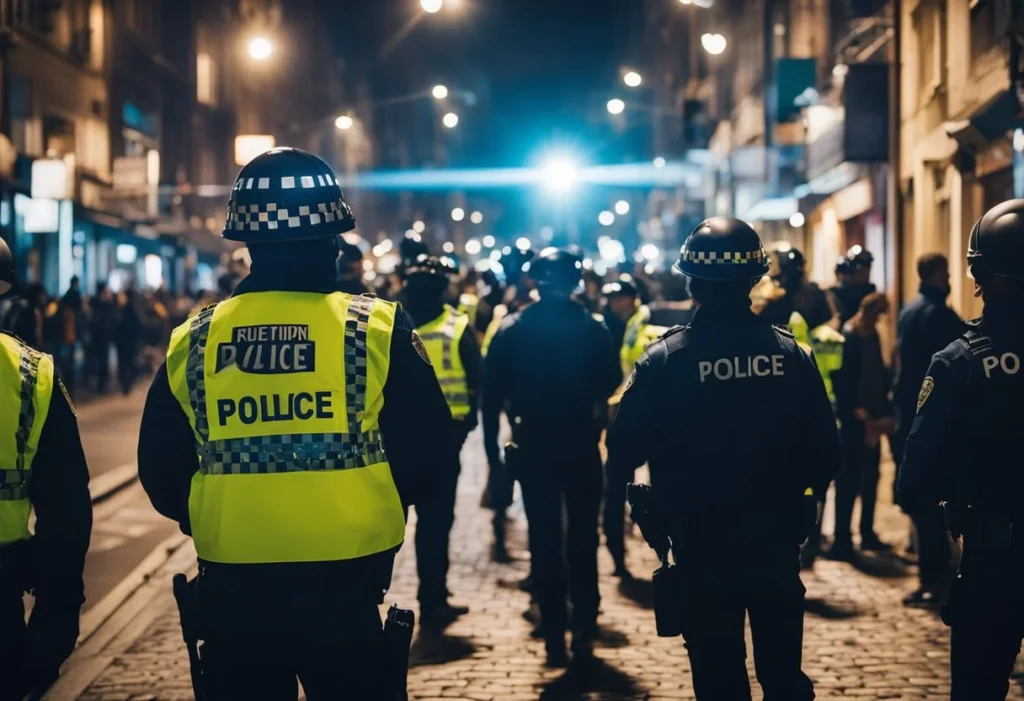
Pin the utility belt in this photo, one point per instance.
(989, 530)
(17, 564)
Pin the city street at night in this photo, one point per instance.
(511, 350)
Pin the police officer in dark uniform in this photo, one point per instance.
(799, 294)
(551, 368)
(926, 325)
(455, 357)
(854, 271)
(350, 269)
(291, 456)
(42, 469)
(733, 419)
(964, 449)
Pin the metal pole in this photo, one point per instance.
(895, 117)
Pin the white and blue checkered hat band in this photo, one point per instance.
(759, 257)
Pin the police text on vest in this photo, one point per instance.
(1009, 363)
(276, 407)
(739, 368)
(273, 349)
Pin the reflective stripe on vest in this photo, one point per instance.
(26, 378)
(500, 312)
(284, 391)
(441, 338)
(638, 335)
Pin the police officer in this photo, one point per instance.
(287, 432)
(853, 272)
(799, 294)
(926, 326)
(42, 468)
(964, 449)
(451, 347)
(726, 473)
(350, 269)
(552, 367)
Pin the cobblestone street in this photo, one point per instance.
(860, 641)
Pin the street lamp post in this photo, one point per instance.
(260, 48)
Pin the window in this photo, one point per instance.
(984, 32)
(206, 79)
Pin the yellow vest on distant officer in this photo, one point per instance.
(284, 391)
(639, 334)
(825, 342)
(500, 312)
(441, 338)
(26, 384)
(468, 305)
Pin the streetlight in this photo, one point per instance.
(418, 226)
(659, 162)
(472, 247)
(632, 79)
(476, 217)
(458, 214)
(560, 175)
(797, 220)
(431, 6)
(714, 44)
(439, 92)
(448, 247)
(622, 207)
(606, 218)
(522, 243)
(616, 106)
(260, 48)
(344, 122)
(489, 241)
(450, 120)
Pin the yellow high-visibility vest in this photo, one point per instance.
(825, 342)
(26, 385)
(500, 312)
(441, 338)
(468, 304)
(284, 392)
(639, 334)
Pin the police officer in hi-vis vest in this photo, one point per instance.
(452, 349)
(42, 468)
(286, 434)
(729, 477)
(964, 450)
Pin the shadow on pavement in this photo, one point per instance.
(437, 648)
(823, 609)
(595, 676)
(639, 591)
(881, 565)
(610, 638)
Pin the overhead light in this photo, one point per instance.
(448, 247)
(632, 79)
(659, 162)
(260, 48)
(418, 226)
(622, 207)
(714, 44)
(616, 106)
(458, 214)
(606, 218)
(344, 122)
(431, 6)
(560, 175)
(450, 120)
(649, 251)
(797, 220)
(439, 92)
(489, 241)
(476, 217)
(472, 247)
(522, 243)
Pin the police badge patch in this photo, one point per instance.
(417, 343)
(926, 390)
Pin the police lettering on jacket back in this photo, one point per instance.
(741, 367)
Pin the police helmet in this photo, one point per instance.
(859, 258)
(349, 253)
(555, 269)
(9, 286)
(843, 266)
(625, 286)
(996, 245)
(412, 246)
(790, 258)
(427, 266)
(286, 195)
(722, 248)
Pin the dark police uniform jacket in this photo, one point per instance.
(926, 326)
(965, 443)
(733, 417)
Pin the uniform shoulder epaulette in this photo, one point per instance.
(674, 330)
(368, 295)
(977, 342)
(784, 331)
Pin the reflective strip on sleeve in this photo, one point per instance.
(14, 482)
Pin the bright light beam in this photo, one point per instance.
(560, 175)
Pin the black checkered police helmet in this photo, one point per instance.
(286, 195)
(996, 245)
(722, 248)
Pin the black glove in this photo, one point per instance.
(52, 635)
